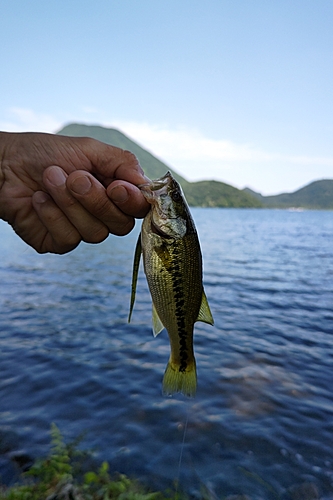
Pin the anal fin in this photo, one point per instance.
(157, 323)
(205, 314)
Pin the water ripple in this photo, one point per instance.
(263, 417)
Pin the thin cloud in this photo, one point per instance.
(192, 154)
(27, 120)
(187, 144)
(182, 144)
(197, 157)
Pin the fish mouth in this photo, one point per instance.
(149, 189)
(159, 232)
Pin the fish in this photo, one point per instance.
(172, 259)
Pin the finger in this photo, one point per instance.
(109, 163)
(60, 236)
(92, 195)
(91, 229)
(129, 169)
(128, 198)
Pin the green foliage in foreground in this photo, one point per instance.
(55, 478)
(59, 477)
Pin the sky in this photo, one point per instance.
(239, 91)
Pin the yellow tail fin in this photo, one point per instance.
(180, 381)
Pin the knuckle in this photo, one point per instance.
(103, 209)
(86, 142)
(71, 202)
(65, 249)
(43, 249)
(123, 229)
(97, 236)
(52, 245)
(68, 242)
(130, 157)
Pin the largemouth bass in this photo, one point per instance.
(173, 267)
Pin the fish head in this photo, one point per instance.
(169, 211)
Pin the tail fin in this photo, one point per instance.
(180, 381)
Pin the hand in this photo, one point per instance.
(56, 191)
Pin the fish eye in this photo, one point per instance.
(176, 196)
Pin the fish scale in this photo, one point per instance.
(172, 286)
(173, 267)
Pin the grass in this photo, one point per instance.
(60, 476)
(57, 477)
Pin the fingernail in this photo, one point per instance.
(81, 185)
(56, 176)
(40, 197)
(119, 194)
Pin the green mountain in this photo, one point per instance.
(153, 167)
(218, 194)
(316, 195)
(203, 194)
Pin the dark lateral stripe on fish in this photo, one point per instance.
(173, 266)
(177, 285)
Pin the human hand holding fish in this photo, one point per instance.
(173, 266)
(57, 191)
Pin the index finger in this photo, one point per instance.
(128, 198)
(109, 163)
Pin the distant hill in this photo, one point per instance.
(153, 167)
(203, 194)
(317, 195)
(218, 194)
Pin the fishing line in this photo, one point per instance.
(182, 448)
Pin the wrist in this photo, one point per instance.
(3, 141)
(6, 142)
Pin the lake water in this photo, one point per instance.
(262, 420)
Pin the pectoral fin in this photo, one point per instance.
(157, 323)
(136, 264)
(205, 314)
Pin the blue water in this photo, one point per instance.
(262, 421)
